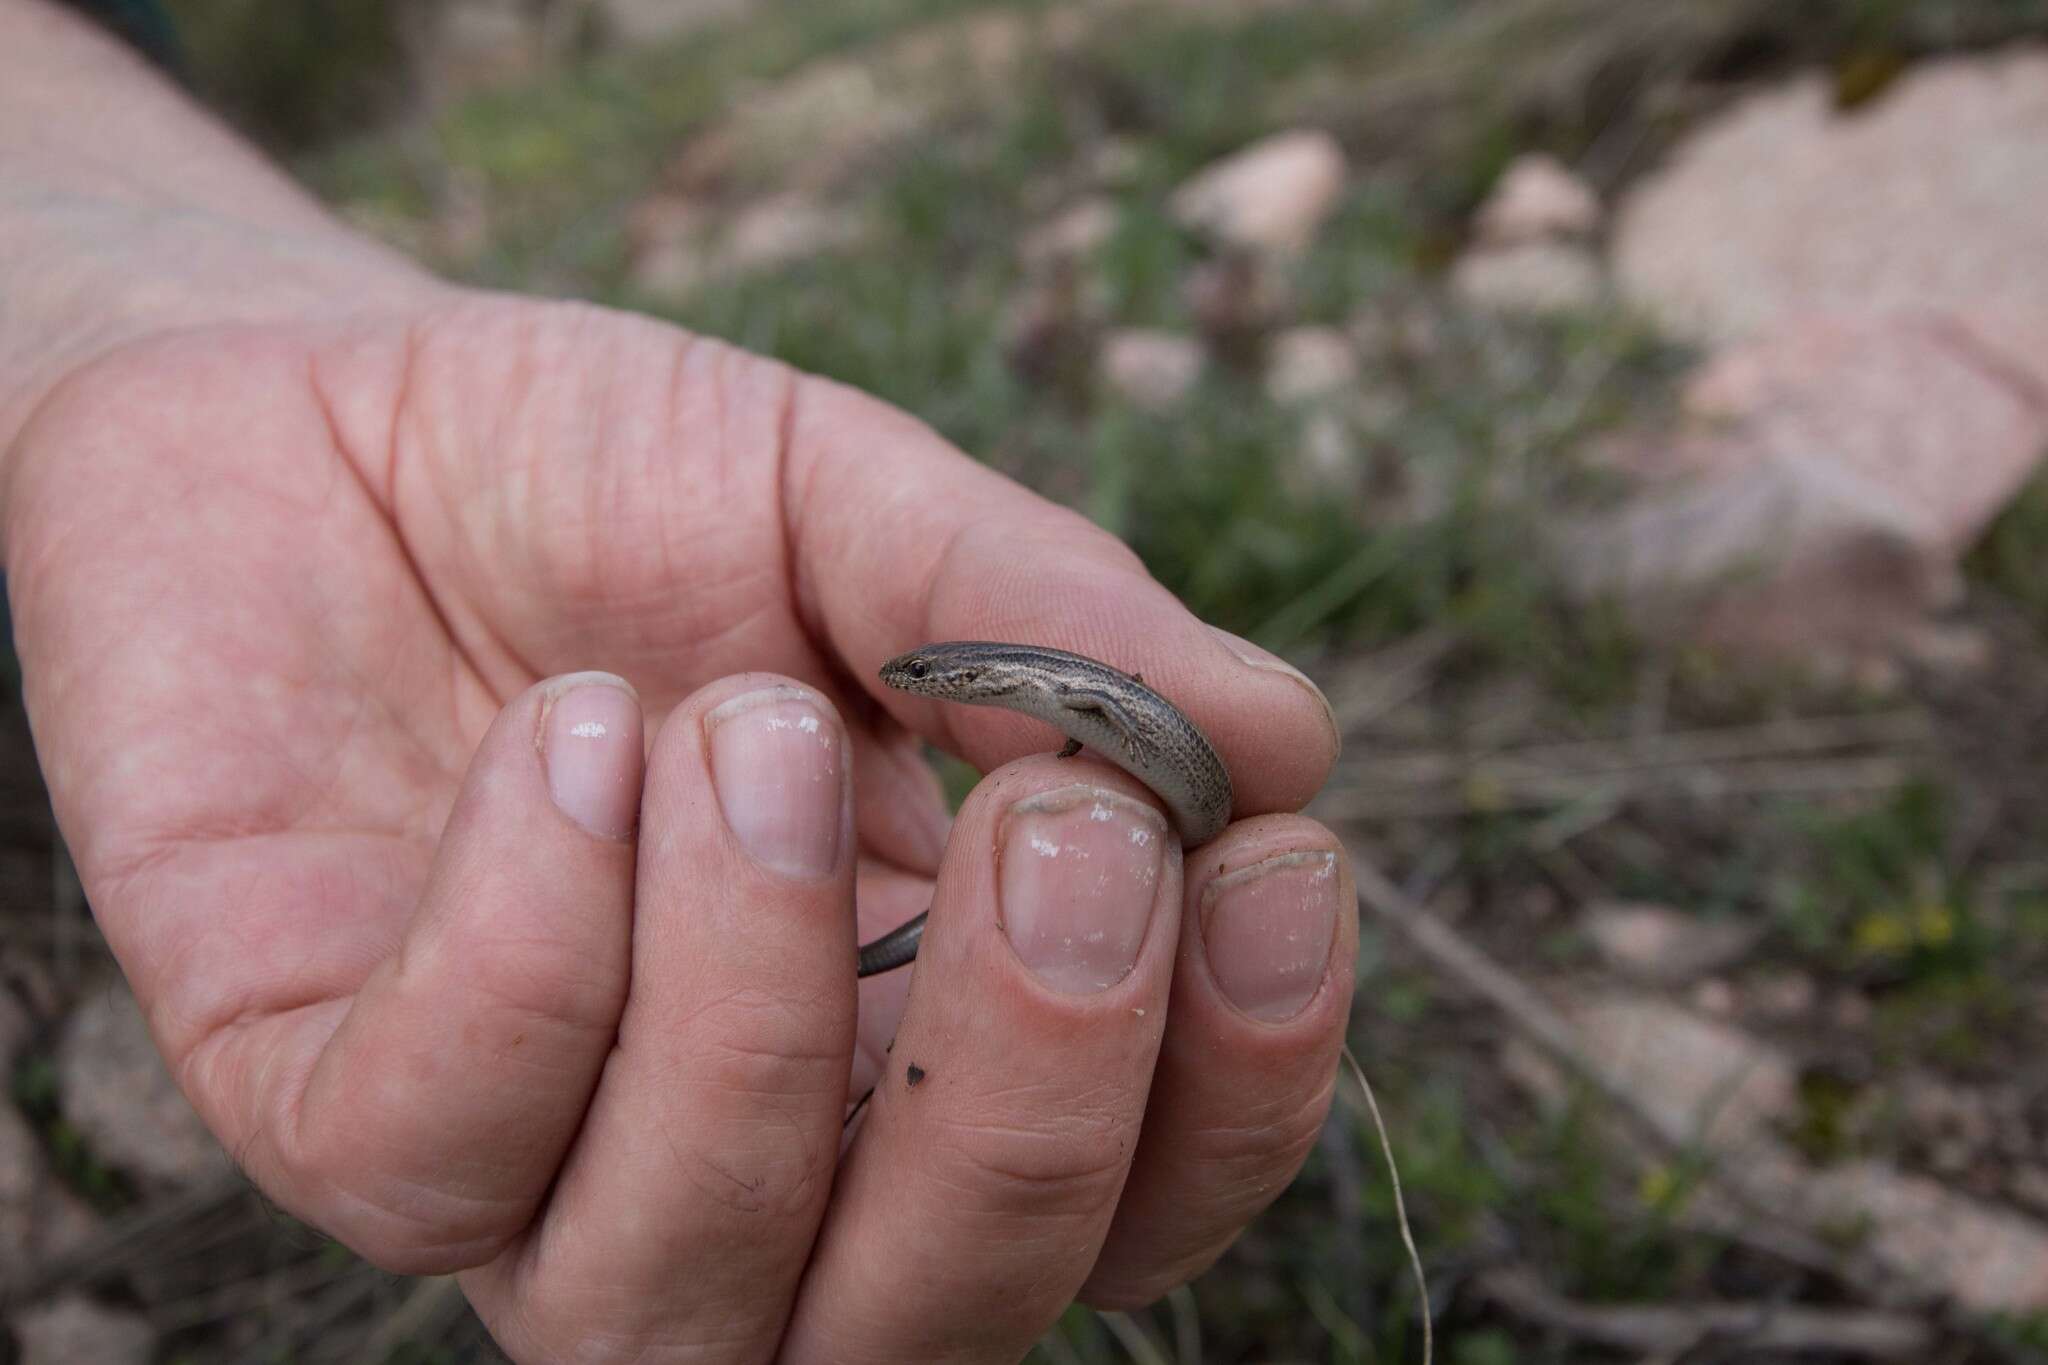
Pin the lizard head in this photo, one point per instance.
(935, 671)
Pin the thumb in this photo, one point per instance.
(428, 1127)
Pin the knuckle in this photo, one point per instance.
(753, 1041)
(777, 1173)
(1042, 1155)
(770, 1076)
(1263, 1143)
(544, 980)
(396, 1224)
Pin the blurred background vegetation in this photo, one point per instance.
(849, 185)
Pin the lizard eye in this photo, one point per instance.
(967, 675)
(920, 669)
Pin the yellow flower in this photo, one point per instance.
(1882, 933)
(1936, 924)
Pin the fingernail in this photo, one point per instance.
(1267, 930)
(778, 761)
(1266, 661)
(1078, 876)
(590, 742)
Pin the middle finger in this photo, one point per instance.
(976, 1196)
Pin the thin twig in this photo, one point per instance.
(1490, 791)
(1672, 1329)
(1451, 955)
(1347, 1335)
(1888, 730)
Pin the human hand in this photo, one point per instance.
(294, 603)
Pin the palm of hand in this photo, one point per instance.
(384, 534)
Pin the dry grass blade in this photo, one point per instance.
(1400, 1207)
(250, 1293)
(170, 1226)
(1134, 1339)
(425, 1315)
(1187, 1326)
(1364, 690)
(314, 1321)
(1055, 1349)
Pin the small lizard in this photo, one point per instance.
(1092, 704)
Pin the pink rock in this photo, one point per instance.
(1932, 198)
(1306, 363)
(1073, 233)
(640, 22)
(1880, 282)
(479, 43)
(1987, 1259)
(1537, 199)
(1697, 1075)
(1658, 943)
(677, 246)
(1915, 404)
(1830, 474)
(1704, 1081)
(74, 1329)
(1272, 196)
(118, 1094)
(781, 229)
(1784, 556)
(1529, 278)
(1148, 368)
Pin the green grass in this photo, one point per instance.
(561, 156)
(2007, 559)
(1210, 495)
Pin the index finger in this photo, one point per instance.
(897, 539)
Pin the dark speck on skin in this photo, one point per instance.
(913, 1074)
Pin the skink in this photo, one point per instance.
(1093, 705)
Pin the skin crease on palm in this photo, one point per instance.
(296, 538)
